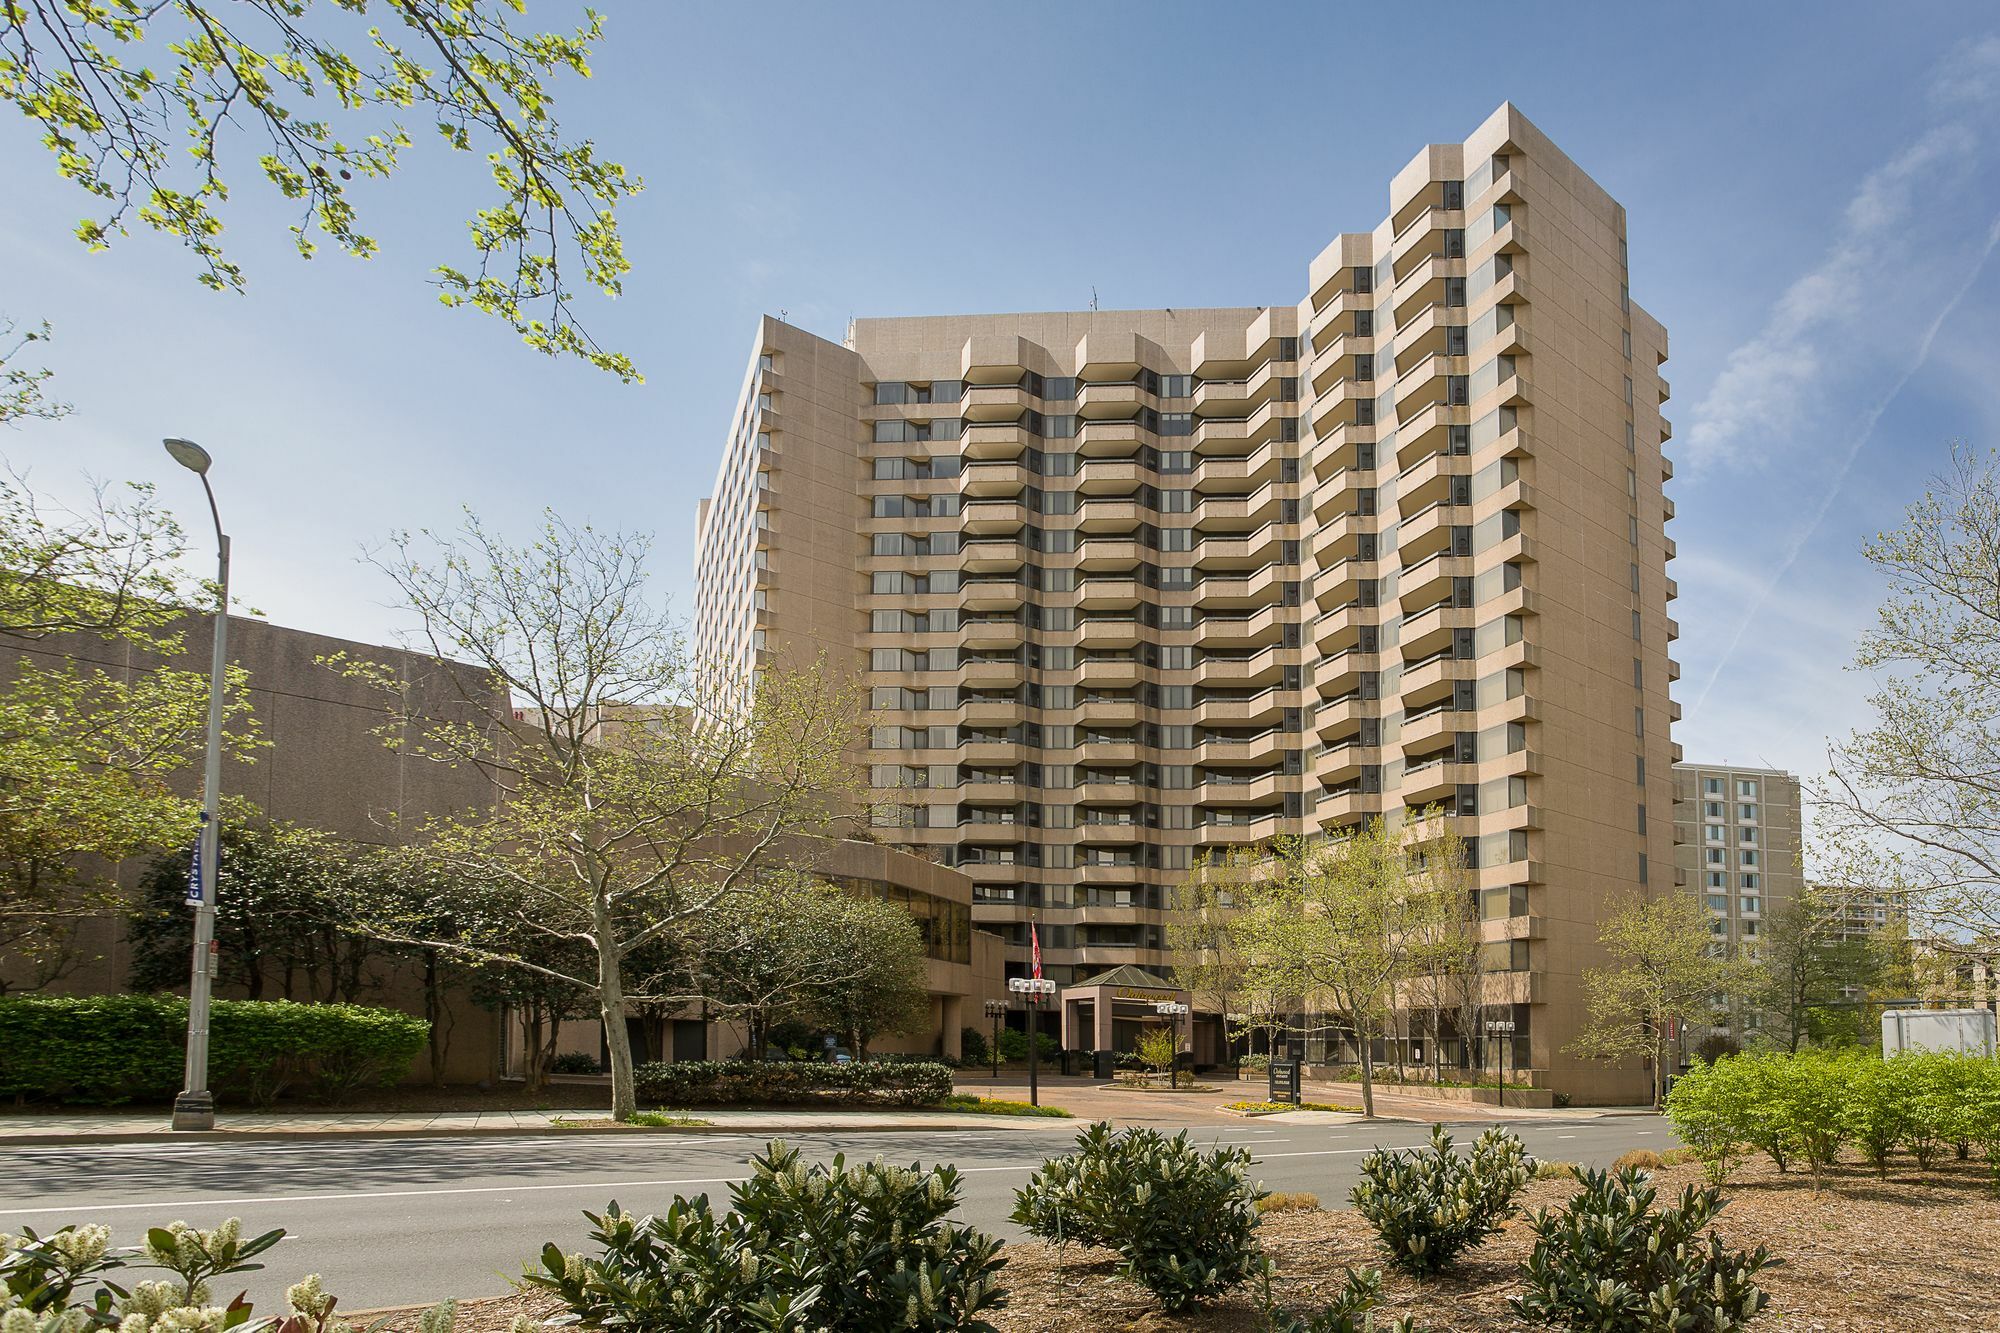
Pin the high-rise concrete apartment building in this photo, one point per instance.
(1737, 844)
(1130, 586)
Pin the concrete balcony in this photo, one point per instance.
(1264, 667)
(1238, 591)
(1429, 479)
(1110, 401)
(1264, 747)
(1340, 537)
(1340, 673)
(1432, 727)
(1433, 628)
(1258, 709)
(1110, 476)
(1340, 582)
(991, 403)
(1106, 592)
(1340, 627)
(1096, 710)
(987, 635)
(1342, 717)
(997, 441)
(1231, 790)
(994, 479)
(1343, 761)
(1429, 531)
(1110, 439)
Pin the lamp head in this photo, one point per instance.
(189, 455)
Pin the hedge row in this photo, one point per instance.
(114, 1048)
(755, 1083)
(1805, 1109)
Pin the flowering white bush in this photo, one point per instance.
(56, 1284)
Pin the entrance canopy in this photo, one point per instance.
(1107, 1012)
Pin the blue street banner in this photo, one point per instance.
(194, 884)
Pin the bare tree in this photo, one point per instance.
(632, 798)
(1914, 800)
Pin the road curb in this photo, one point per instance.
(497, 1132)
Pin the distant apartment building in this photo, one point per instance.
(1128, 587)
(1737, 844)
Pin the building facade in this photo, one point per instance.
(1131, 587)
(1737, 844)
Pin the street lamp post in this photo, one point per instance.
(996, 1010)
(194, 1109)
(1171, 1010)
(1032, 989)
(1503, 1028)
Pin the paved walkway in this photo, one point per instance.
(105, 1127)
(1089, 1099)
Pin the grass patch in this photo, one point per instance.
(639, 1120)
(1555, 1170)
(1273, 1108)
(959, 1101)
(1289, 1201)
(1639, 1159)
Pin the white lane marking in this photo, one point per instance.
(1340, 1152)
(1565, 1136)
(232, 1201)
(1642, 1132)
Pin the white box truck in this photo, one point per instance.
(1968, 1031)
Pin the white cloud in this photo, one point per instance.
(1825, 317)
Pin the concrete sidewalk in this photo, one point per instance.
(106, 1127)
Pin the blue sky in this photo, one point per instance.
(1812, 194)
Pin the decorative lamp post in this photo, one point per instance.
(1502, 1028)
(1171, 1010)
(1032, 989)
(194, 1109)
(996, 1010)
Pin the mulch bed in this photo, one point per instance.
(1917, 1252)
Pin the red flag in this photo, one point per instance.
(1035, 944)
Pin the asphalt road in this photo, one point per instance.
(407, 1221)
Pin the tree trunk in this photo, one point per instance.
(1659, 1063)
(1367, 1072)
(434, 1011)
(611, 1009)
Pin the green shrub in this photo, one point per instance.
(1428, 1204)
(1608, 1263)
(758, 1083)
(833, 1248)
(576, 1062)
(1876, 1115)
(1352, 1310)
(972, 1047)
(1711, 1112)
(1183, 1221)
(113, 1048)
(1808, 1098)
(1014, 1046)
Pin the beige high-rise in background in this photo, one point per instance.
(1128, 586)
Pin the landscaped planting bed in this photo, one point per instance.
(1917, 1252)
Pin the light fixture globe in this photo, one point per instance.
(189, 455)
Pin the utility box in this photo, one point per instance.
(1966, 1031)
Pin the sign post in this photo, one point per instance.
(1284, 1081)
